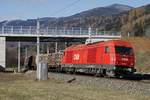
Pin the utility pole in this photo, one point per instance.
(38, 49)
(90, 38)
(42, 70)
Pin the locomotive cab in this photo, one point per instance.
(124, 58)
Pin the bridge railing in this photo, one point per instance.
(32, 30)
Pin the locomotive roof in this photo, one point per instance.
(102, 43)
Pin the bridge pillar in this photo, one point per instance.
(19, 68)
(2, 52)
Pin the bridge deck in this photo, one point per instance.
(31, 31)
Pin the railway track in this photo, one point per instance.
(132, 86)
(141, 78)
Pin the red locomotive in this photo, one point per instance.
(112, 58)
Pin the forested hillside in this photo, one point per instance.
(136, 21)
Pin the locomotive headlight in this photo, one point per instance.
(129, 69)
(114, 68)
(132, 64)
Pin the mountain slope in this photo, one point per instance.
(96, 12)
(104, 11)
(98, 17)
(116, 17)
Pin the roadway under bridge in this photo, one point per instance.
(37, 34)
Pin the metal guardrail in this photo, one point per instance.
(32, 30)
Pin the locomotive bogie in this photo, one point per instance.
(100, 70)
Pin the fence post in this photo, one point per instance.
(11, 29)
(56, 31)
(21, 30)
(3, 30)
(72, 30)
(80, 30)
(30, 29)
(47, 29)
(64, 31)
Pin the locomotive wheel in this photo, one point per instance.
(99, 73)
(110, 73)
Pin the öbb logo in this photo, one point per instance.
(76, 57)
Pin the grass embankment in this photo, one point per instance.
(16, 87)
(142, 53)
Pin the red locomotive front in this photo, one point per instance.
(110, 57)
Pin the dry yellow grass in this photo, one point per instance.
(140, 43)
(20, 88)
(142, 52)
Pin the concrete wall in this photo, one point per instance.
(2, 52)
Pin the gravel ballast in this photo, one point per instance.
(128, 86)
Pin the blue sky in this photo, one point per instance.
(28, 9)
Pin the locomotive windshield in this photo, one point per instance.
(124, 50)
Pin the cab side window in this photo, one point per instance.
(106, 49)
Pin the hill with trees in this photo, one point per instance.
(128, 20)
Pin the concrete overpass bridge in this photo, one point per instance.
(30, 33)
(47, 34)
